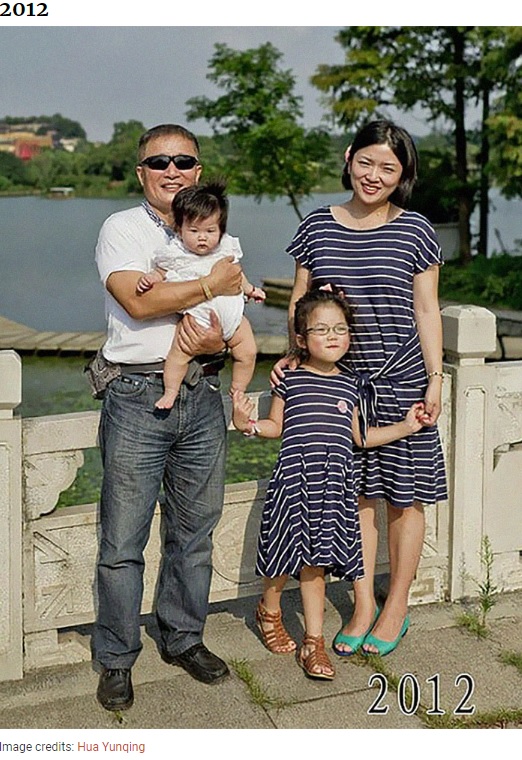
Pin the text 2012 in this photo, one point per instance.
(408, 694)
(23, 9)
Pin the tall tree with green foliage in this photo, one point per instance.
(13, 171)
(506, 137)
(497, 86)
(269, 153)
(122, 152)
(505, 119)
(441, 69)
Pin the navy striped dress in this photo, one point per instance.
(310, 516)
(375, 269)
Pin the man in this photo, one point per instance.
(142, 447)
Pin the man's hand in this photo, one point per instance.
(195, 339)
(225, 278)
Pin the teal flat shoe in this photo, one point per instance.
(354, 642)
(386, 647)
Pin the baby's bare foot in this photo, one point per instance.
(166, 401)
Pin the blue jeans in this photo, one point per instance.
(142, 447)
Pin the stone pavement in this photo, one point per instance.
(450, 669)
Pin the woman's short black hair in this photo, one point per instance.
(401, 143)
(200, 202)
(307, 304)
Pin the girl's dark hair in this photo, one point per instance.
(200, 202)
(387, 133)
(307, 304)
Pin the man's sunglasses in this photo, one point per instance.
(160, 163)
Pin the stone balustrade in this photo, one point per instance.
(47, 566)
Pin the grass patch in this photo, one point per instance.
(472, 623)
(258, 694)
(119, 718)
(501, 718)
(512, 658)
(476, 621)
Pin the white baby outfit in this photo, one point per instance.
(182, 265)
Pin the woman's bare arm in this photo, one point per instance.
(429, 325)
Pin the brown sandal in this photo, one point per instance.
(317, 658)
(277, 639)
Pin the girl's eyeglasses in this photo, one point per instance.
(339, 329)
(160, 163)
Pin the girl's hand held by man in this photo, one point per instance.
(242, 408)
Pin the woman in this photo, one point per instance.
(386, 261)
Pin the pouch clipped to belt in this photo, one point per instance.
(100, 373)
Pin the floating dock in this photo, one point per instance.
(27, 340)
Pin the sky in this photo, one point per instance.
(102, 75)
(99, 73)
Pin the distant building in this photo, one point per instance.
(69, 143)
(25, 144)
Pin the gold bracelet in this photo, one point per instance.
(206, 290)
(436, 374)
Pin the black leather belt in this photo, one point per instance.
(210, 365)
(143, 369)
(213, 368)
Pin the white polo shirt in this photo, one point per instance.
(127, 242)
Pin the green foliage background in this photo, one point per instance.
(485, 282)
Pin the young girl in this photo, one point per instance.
(200, 219)
(310, 522)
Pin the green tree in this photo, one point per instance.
(497, 83)
(56, 167)
(505, 120)
(439, 68)
(63, 126)
(265, 149)
(121, 153)
(13, 170)
(506, 136)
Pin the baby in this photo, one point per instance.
(200, 219)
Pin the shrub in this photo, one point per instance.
(486, 282)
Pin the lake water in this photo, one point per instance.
(48, 279)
